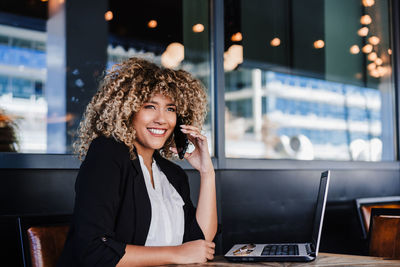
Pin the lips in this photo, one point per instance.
(155, 131)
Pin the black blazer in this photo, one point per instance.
(112, 207)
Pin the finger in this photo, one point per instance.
(189, 131)
(211, 251)
(199, 136)
(210, 256)
(187, 155)
(210, 244)
(194, 134)
(194, 128)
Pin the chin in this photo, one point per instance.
(158, 146)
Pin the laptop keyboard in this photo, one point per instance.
(280, 250)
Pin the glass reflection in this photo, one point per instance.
(8, 133)
(47, 77)
(313, 96)
(22, 83)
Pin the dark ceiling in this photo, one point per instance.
(129, 21)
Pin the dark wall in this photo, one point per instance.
(277, 205)
(254, 205)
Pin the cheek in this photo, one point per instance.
(172, 122)
(136, 122)
(140, 119)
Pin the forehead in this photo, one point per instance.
(161, 99)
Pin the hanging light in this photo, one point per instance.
(371, 66)
(198, 28)
(108, 15)
(173, 55)
(275, 42)
(365, 20)
(374, 40)
(368, 3)
(372, 56)
(319, 44)
(374, 73)
(233, 57)
(381, 70)
(237, 37)
(378, 61)
(363, 31)
(367, 48)
(354, 49)
(152, 24)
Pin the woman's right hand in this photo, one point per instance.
(198, 251)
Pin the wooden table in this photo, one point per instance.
(323, 259)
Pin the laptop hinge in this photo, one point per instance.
(310, 249)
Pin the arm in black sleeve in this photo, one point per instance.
(192, 228)
(98, 188)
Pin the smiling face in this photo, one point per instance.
(154, 123)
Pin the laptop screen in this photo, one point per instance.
(320, 210)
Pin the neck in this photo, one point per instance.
(147, 154)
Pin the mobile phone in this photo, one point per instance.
(181, 140)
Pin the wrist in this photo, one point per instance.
(207, 173)
(175, 255)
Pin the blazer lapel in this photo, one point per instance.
(165, 167)
(142, 204)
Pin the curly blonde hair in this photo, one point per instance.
(122, 93)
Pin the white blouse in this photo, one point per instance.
(167, 217)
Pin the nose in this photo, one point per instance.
(160, 117)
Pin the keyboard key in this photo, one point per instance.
(280, 250)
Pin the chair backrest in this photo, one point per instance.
(384, 235)
(366, 211)
(46, 244)
(42, 238)
(365, 205)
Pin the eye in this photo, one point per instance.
(148, 106)
(172, 109)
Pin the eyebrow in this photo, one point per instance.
(155, 102)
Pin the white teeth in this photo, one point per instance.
(157, 131)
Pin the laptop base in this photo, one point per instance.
(256, 254)
(270, 259)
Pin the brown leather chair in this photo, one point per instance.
(46, 244)
(365, 205)
(42, 238)
(385, 233)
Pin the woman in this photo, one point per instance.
(132, 205)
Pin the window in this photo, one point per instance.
(50, 65)
(308, 80)
(23, 108)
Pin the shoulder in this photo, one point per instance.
(103, 165)
(107, 147)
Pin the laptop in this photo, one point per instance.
(302, 252)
